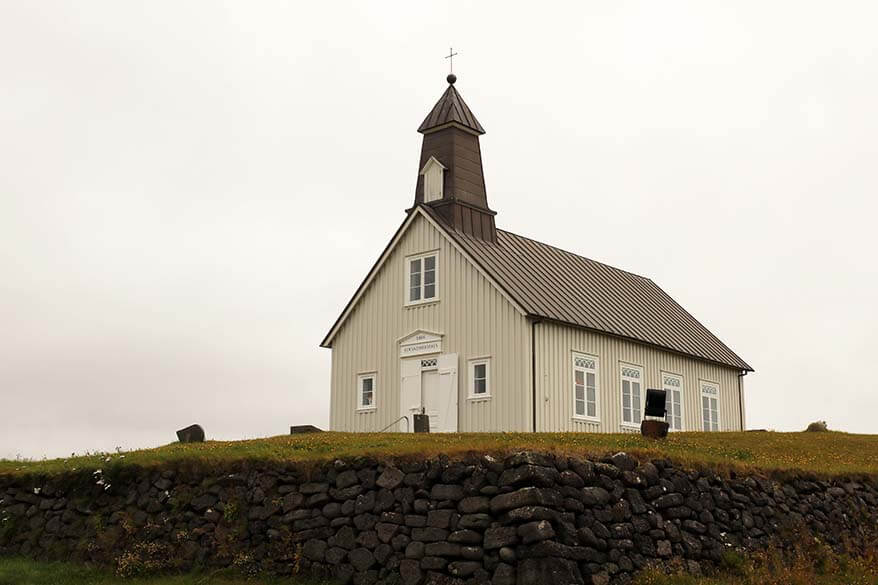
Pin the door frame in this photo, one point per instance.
(407, 370)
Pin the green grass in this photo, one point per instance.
(814, 567)
(810, 565)
(824, 454)
(19, 571)
(778, 577)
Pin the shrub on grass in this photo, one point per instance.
(818, 426)
(733, 563)
(144, 558)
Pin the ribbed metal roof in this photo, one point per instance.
(561, 286)
(451, 108)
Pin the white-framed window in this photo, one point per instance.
(367, 389)
(422, 278)
(672, 384)
(709, 405)
(585, 386)
(480, 378)
(632, 394)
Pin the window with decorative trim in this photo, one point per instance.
(366, 389)
(480, 378)
(585, 387)
(710, 406)
(422, 278)
(632, 394)
(672, 384)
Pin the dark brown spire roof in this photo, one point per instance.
(451, 109)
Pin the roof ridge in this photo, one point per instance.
(575, 254)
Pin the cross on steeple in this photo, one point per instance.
(450, 56)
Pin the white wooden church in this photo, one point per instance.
(486, 330)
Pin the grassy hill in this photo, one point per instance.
(761, 569)
(823, 454)
(20, 571)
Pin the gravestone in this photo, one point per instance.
(191, 434)
(422, 423)
(298, 429)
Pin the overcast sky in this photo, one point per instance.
(191, 191)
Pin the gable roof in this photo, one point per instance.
(451, 109)
(545, 282)
(557, 285)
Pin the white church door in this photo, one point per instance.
(447, 395)
(431, 383)
(410, 393)
(432, 399)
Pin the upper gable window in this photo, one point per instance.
(423, 278)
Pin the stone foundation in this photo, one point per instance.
(521, 519)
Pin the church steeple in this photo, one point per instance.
(450, 178)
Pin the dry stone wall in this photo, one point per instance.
(514, 520)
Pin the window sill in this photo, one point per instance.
(412, 304)
(586, 419)
(629, 425)
(478, 397)
(366, 409)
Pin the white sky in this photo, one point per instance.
(191, 191)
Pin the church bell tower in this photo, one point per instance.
(450, 178)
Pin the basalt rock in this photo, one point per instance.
(528, 518)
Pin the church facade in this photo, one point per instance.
(485, 330)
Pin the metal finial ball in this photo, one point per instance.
(451, 78)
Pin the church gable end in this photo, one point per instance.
(432, 239)
(407, 346)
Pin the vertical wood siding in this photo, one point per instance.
(555, 345)
(475, 320)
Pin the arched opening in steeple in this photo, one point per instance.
(434, 180)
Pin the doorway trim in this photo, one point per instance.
(420, 342)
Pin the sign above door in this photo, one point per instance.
(420, 342)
